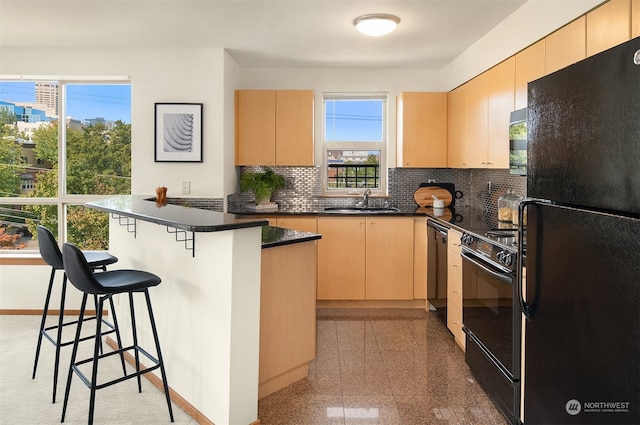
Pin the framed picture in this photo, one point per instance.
(178, 132)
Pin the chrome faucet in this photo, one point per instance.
(365, 199)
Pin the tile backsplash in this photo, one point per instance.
(480, 187)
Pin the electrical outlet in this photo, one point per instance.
(186, 187)
(431, 180)
(288, 182)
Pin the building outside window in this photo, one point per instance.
(354, 149)
(51, 166)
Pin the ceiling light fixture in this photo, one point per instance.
(376, 24)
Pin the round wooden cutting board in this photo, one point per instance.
(423, 196)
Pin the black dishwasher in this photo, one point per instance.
(437, 269)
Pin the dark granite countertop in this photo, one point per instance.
(195, 219)
(278, 236)
(179, 217)
(474, 219)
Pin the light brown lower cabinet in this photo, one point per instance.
(365, 258)
(287, 315)
(454, 287)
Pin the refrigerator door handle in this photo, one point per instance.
(526, 309)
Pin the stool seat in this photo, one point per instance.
(105, 285)
(119, 281)
(51, 254)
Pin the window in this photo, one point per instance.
(50, 167)
(354, 150)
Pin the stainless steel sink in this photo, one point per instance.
(361, 210)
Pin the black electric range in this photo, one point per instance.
(483, 223)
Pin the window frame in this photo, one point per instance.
(356, 145)
(63, 199)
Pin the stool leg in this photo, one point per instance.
(59, 336)
(135, 340)
(74, 352)
(160, 360)
(118, 338)
(96, 355)
(43, 321)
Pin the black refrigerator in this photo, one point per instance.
(581, 297)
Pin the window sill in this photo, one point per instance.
(22, 259)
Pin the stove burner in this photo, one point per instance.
(501, 233)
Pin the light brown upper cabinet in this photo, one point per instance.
(475, 152)
(501, 103)
(635, 18)
(608, 26)
(566, 46)
(274, 127)
(529, 66)
(457, 99)
(422, 129)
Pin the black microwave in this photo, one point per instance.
(518, 142)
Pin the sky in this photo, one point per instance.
(84, 101)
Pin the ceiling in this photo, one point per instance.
(260, 33)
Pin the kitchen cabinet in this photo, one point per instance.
(420, 258)
(365, 258)
(389, 258)
(341, 258)
(422, 129)
(565, 46)
(479, 117)
(274, 127)
(475, 146)
(287, 315)
(501, 103)
(303, 224)
(635, 18)
(454, 287)
(530, 66)
(457, 100)
(608, 26)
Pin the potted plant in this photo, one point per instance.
(262, 184)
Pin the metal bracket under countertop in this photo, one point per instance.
(184, 239)
(128, 222)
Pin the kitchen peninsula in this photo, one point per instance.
(210, 308)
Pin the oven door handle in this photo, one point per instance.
(502, 276)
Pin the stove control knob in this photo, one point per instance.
(467, 239)
(505, 258)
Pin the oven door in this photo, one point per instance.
(488, 310)
(492, 324)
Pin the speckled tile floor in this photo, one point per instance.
(382, 366)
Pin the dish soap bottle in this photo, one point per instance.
(506, 205)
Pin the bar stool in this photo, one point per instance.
(105, 285)
(50, 252)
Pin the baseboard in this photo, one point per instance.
(175, 397)
(370, 304)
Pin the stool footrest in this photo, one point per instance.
(52, 340)
(87, 381)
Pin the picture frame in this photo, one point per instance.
(178, 132)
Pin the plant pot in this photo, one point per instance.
(263, 196)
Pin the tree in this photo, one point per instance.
(98, 162)
(8, 241)
(11, 162)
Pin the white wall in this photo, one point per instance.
(191, 75)
(531, 22)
